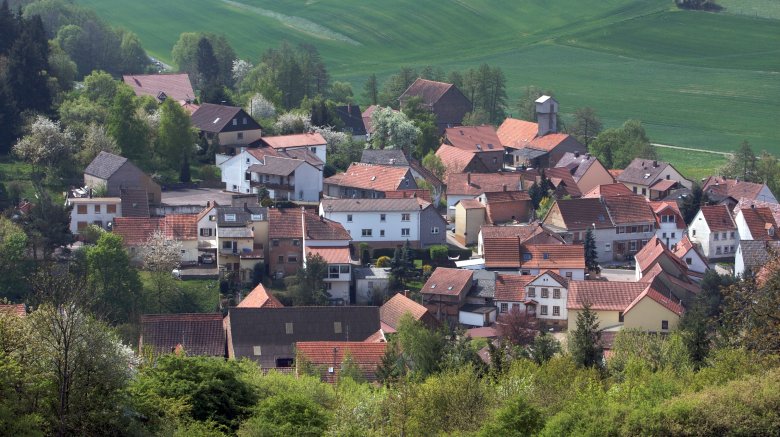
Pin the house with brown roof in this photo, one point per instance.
(561, 179)
(195, 334)
(392, 311)
(469, 218)
(445, 292)
(176, 86)
(624, 305)
(538, 145)
(445, 100)
(182, 228)
(542, 296)
(714, 230)
(691, 255)
(259, 297)
(497, 208)
(480, 141)
(368, 181)
(586, 170)
(116, 173)
(652, 179)
(670, 225)
(730, 191)
(388, 222)
(468, 185)
(327, 358)
(309, 141)
(756, 223)
(655, 253)
(457, 160)
(230, 126)
(268, 336)
(241, 240)
(607, 190)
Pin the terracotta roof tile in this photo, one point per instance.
(503, 206)
(629, 209)
(198, 334)
(474, 184)
(13, 309)
(175, 86)
(511, 288)
(667, 207)
(547, 142)
(607, 190)
(652, 251)
(559, 176)
(429, 90)
(331, 255)
(760, 221)
(286, 223)
(260, 298)
(554, 256)
(517, 133)
(391, 312)
(746, 203)
(374, 177)
(718, 218)
(603, 295)
(455, 160)
(180, 227)
(733, 188)
(330, 354)
(448, 281)
(295, 140)
(136, 230)
(663, 185)
(471, 204)
(502, 244)
(473, 139)
(405, 194)
(367, 118)
(650, 292)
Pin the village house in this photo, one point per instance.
(327, 358)
(311, 142)
(367, 120)
(731, 191)
(352, 119)
(756, 223)
(445, 100)
(241, 240)
(655, 253)
(607, 190)
(479, 309)
(112, 174)
(193, 334)
(229, 126)
(87, 210)
(207, 233)
(372, 284)
(463, 186)
(398, 306)
(560, 178)
(268, 336)
(457, 160)
(491, 208)
(259, 297)
(444, 293)
(174, 86)
(395, 157)
(691, 255)
(284, 176)
(586, 170)
(624, 305)
(542, 296)
(752, 255)
(469, 218)
(537, 145)
(500, 236)
(714, 230)
(652, 179)
(670, 225)
(480, 141)
(388, 222)
(511, 294)
(136, 231)
(368, 181)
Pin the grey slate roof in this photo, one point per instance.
(214, 118)
(371, 205)
(384, 157)
(243, 215)
(577, 164)
(352, 118)
(371, 273)
(276, 166)
(267, 328)
(756, 253)
(105, 165)
(642, 171)
(484, 284)
(198, 334)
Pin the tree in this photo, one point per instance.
(47, 225)
(392, 367)
(46, 146)
(160, 257)
(176, 137)
(371, 90)
(543, 348)
(421, 347)
(126, 127)
(616, 148)
(401, 265)
(260, 107)
(751, 311)
(516, 418)
(586, 125)
(517, 327)
(393, 130)
(133, 57)
(292, 123)
(591, 257)
(100, 87)
(584, 341)
(341, 93)
(286, 414)
(95, 140)
(186, 54)
(13, 244)
(115, 284)
(544, 206)
(742, 164)
(526, 103)
(240, 70)
(28, 66)
(395, 85)
(693, 202)
(433, 164)
(428, 138)
(768, 171)
(310, 288)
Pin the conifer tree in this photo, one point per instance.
(591, 257)
(584, 341)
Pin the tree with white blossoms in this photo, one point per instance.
(260, 107)
(46, 145)
(293, 123)
(240, 70)
(160, 257)
(332, 138)
(393, 130)
(96, 140)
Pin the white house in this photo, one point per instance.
(311, 141)
(387, 222)
(715, 231)
(285, 178)
(340, 264)
(690, 255)
(99, 211)
(370, 282)
(756, 223)
(543, 295)
(670, 226)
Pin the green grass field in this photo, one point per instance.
(695, 79)
(693, 165)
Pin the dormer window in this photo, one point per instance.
(230, 217)
(433, 286)
(546, 255)
(526, 257)
(771, 231)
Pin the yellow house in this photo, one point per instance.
(469, 218)
(586, 170)
(618, 305)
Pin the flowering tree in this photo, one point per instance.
(46, 144)
(293, 123)
(260, 107)
(161, 254)
(393, 129)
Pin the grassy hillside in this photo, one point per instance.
(696, 79)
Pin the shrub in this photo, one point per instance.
(383, 261)
(438, 252)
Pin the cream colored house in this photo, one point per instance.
(588, 172)
(469, 218)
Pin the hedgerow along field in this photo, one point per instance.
(696, 79)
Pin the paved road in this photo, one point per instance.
(667, 146)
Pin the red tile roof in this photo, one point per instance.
(175, 86)
(286, 223)
(718, 218)
(474, 139)
(455, 160)
(331, 354)
(260, 298)
(746, 203)
(295, 140)
(391, 312)
(474, 184)
(367, 118)
(503, 206)
(449, 282)
(502, 244)
(136, 230)
(662, 300)
(517, 133)
(667, 207)
(14, 309)
(198, 334)
(608, 190)
(629, 209)
(554, 256)
(559, 176)
(471, 204)
(429, 90)
(652, 251)
(482, 332)
(406, 194)
(732, 188)
(180, 227)
(331, 255)
(511, 288)
(663, 185)
(374, 177)
(759, 221)
(603, 295)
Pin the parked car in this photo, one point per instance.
(207, 259)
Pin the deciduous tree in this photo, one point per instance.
(586, 125)
(115, 284)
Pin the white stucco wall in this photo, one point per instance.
(392, 225)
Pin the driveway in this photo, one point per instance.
(196, 196)
(619, 275)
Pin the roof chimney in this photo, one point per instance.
(577, 154)
(468, 178)
(655, 164)
(504, 187)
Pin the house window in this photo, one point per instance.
(381, 232)
(275, 243)
(620, 317)
(664, 235)
(634, 188)
(244, 120)
(344, 269)
(716, 235)
(723, 236)
(694, 232)
(328, 286)
(526, 257)
(405, 232)
(333, 272)
(235, 122)
(525, 272)
(632, 246)
(531, 292)
(296, 242)
(689, 260)
(543, 310)
(674, 235)
(235, 187)
(288, 328)
(664, 325)
(644, 191)
(313, 150)
(247, 176)
(240, 136)
(337, 327)
(556, 293)
(81, 225)
(545, 293)
(382, 217)
(556, 311)
(349, 217)
(97, 209)
(281, 259)
(405, 217)
(717, 250)
(568, 275)
(256, 351)
(366, 232)
(292, 258)
(504, 307)
(227, 244)
(111, 209)
(435, 230)
(230, 217)
(732, 234)
(81, 209)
